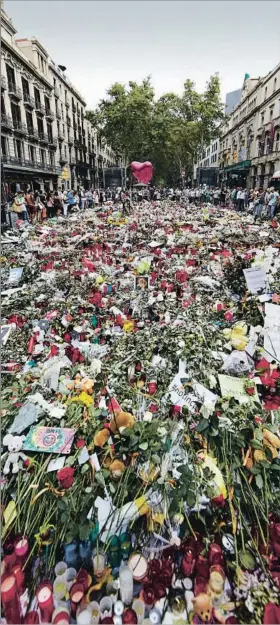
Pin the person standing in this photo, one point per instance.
(101, 198)
(71, 199)
(30, 205)
(273, 201)
(19, 206)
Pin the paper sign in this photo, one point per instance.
(4, 334)
(49, 440)
(15, 275)
(255, 279)
(56, 465)
(83, 456)
(272, 332)
(178, 394)
(234, 387)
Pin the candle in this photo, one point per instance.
(31, 618)
(138, 565)
(76, 595)
(84, 618)
(106, 607)
(19, 575)
(139, 607)
(59, 588)
(94, 612)
(21, 549)
(126, 585)
(98, 564)
(45, 601)
(61, 569)
(61, 615)
(10, 600)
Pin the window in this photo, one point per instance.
(18, 146)
(4, 146)
(31, 151)
(37, 96)
(265, 93)
(10, 75)
(52, 161)
(15, 113)
(47, 104)
(43, 156)
(262, 118)
(65, 150)
(271, 112)
(277, 142)
(3, 110)
(274, 84)
(40, 126)
(25, 85)
(29, 120)
(49, 131)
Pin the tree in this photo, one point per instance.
(168, 131)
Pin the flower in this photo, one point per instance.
(80, 443)
(218, 502)
(84, 398)
(65, 477)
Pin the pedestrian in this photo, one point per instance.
(258, 204)
(272, 204)
(96, 198)
(65, 203)
(240, 198)
(72, 200)
(39, 206)
(30, 205)
(216, 196)
(101, 198)
(19, 206)
(234, 197)
(50, 205)
(57, 205)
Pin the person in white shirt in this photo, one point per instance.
(273, 200)
(240, 199)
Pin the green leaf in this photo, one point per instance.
(84, 468)
(70, 461)
(144, 446)
(275, 467)
(202, 426)
(256, 444)
(259, 481)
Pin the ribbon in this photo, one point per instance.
(51, 489)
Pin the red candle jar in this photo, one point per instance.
(10, 600)
(215, 554)
(21, 549)
(84, 578)
(154, 568)
(130, 617)
(152, 387)
(44, 596)
(76, 596)
(10, 561)
(188, 563)
(148, 594)
(61, 615)
(19, 575)
(31, 618)
(160, 590)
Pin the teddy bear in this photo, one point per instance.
(204, 612)
(14, 444)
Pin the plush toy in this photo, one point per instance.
(204, 613)
(14, 444)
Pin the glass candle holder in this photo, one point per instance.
(139, 607)
(76, 595)
(70, 577)
(10, 600)
(99, 562)
(84, 617)
(44, 596)
(114, 552)
(61, 615)
(138, 565)
(60, 569)
(94, 609)
(106, 607)
(126, 585)
(21, 549)
(59, 587)
(125, 542)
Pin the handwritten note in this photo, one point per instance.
(234, 387)
(255, 279)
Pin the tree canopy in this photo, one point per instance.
(167, 131)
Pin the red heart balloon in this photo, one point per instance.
(142, 171)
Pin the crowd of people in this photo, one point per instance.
(37, 206)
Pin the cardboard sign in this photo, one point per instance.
(15, 275)
(49, 440)
(234, 387)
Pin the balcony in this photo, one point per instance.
(33, 135)
(28, 100)
(39, 108)
(3, 83)
(60, 135)
(6, 121)
(63, 159)
(58, 113)
(14, 91)
(67, 102)
(70, 139)
(68, 120)
(56, 92)
(49, 114)
(52, 141)
(43, 138)
(19, 127)
(83, 164)
(30, 164)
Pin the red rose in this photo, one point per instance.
(65, 477)
(80, 443)
(218, 502)
(271, 614)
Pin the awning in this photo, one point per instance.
(238, 166)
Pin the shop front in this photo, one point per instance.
(236, 175)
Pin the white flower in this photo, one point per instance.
(95, 366)
(212, 380)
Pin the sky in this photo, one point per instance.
(101, 42)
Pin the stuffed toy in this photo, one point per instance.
(14, 444)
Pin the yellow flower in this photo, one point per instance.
(84, 398)
(99, 279)
(128, 326)
(211, 463)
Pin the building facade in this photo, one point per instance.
(207, 166)
(250, 142)
(46, 140)
(232, 99)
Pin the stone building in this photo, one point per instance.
(250, 142)
(44, 132)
